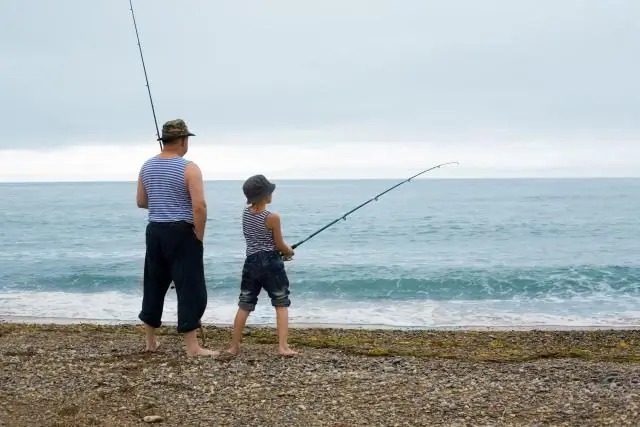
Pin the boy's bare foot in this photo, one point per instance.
(202, 352)
(287, 352)
(152, 346)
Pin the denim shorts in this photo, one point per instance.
(264, 270)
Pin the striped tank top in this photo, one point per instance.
(258, 237)
(164, 182)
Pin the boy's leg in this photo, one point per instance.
(238, 326)
(191, 288)
(156, 281)
(249, 291)
(282, 324)
(276, 283)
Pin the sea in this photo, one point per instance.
(433, 253)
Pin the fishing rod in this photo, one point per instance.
(144, 68)
(155, 120)
(153, 110)
(373, 199)
(146, 78)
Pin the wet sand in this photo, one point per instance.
(88, 374)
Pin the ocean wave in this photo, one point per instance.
(378, 283)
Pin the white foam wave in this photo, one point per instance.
(116, 306)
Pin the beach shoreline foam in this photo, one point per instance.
(413, 313)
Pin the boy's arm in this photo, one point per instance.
(193, 178)
(141, 197)
(273, 222)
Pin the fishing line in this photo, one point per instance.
(146, 78)
(373, 199)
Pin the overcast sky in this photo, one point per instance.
(331, 88)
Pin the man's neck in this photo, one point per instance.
(169, 153)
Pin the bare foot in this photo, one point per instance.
(152, 346)
(287, 352)
(233, 351)
(202, 352)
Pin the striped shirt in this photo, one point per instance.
(258, 237)
(164, 181)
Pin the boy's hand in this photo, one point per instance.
(287, 254)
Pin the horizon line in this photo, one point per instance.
(528, 178)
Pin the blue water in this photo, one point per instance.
(433, 253)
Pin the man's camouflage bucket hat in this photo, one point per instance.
(174, 129)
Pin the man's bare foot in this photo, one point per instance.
(152, 346)
(287, 352)
(233, 351)
(202, 352)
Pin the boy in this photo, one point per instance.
(263, 266)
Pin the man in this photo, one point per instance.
(171, 188)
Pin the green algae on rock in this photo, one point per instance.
(488, 346)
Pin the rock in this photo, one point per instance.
(152, 419)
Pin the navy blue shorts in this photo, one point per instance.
(173, 253)
(264, 270)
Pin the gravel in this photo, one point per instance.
(87, 375)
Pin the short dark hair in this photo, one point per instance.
(172, 140)
(256, 188)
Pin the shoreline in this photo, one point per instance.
(36, 320)
(608, 345)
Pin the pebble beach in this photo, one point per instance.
(98, 375)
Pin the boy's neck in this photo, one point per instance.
(258, 207)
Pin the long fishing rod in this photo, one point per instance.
(153, 110)
(374, 198)
(155, 120)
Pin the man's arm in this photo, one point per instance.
(141, 197)
(273, 222)
(193, 177)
